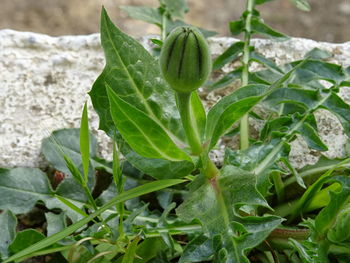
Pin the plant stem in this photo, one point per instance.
(164, 25)
(244, 127)
(184, 107)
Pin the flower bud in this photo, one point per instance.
(185, 59)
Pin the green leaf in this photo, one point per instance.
(21, 188)
(176, 8)
(260, 2)
(237, 27)
(230, 109)
(135, 192)
(229, 55)
(302, 4)
(134, 75)
(254, 56)
(85, 142)
(216, 203)
(317, 53)
(307, 197)
(66, 142)
(340, 109)
(157, 168)
(149, 249)
(131, 251)
(55, 223)
(142, 133)
(237, 188)
(8, 223)
(197, 250)
(198, 111)
(25, 239)
(311, 137)
(260, 28)
(144, 13)
(226, 80)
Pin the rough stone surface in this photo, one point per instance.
(44, 81)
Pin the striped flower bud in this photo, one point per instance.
(185, 59)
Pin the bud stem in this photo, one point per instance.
(184, 107)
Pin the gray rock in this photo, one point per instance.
(45, 80)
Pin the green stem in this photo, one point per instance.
(244, 127)
(184, 107)
(164, 25)
(278, 184)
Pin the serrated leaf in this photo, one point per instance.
(144, 13)
(237, 188)
(215, 203)
(302, 4)
(229, 55)
(141, 132)
(259, 27)
(8, 223)
(134, 75)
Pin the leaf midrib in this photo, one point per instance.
(148, 109)
(162, 153)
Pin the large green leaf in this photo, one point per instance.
(134, 75)
(141, 132)
(245, 98)
(22, 188)
(8, 223)
(216, 203)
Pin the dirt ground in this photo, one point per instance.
(327, 21)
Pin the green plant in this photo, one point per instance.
(239, 212)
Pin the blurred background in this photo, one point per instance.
(329, 20)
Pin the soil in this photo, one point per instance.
(327, 21)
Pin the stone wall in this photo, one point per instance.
(44, 81)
